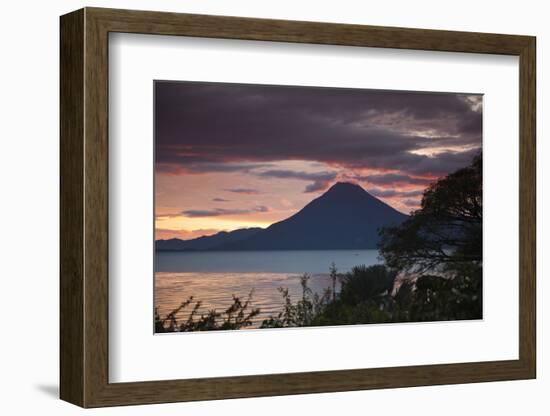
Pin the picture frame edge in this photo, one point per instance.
(84, 194)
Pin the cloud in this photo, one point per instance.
(444, 162)
(217, 212)
(394, 179)
(246, 191)
(168, 215)
(413, 203)
(167, 233)
(215, 127)
(391, 193)
(220, 200)
(320, 180)
(201, 166)
(317, 186)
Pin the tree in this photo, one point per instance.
(446, 231)
(436, 298)
(333, 276)
(364, 283)
(365, 297)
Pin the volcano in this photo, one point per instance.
(344, 217)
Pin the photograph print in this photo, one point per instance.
(296, 206)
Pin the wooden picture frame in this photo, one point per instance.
(84, 207)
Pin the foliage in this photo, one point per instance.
(301, 313)
(445, 231)
(365, 283)
(237, 316)
(441, 244)
(333, 277)
(365, 297)
(437, 298)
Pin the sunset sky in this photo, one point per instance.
(231, 156)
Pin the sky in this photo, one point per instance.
(230, 156)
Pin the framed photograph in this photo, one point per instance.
(257, 207)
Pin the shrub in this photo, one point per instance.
(237, 316)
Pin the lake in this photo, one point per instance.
(214, 276)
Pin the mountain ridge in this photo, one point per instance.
(206, 242)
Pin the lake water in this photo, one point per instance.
(214, 276)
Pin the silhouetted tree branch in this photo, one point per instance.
(446, 231)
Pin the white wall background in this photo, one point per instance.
(29, 171)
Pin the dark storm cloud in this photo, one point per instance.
(217, 212)
(201, 166)
(393, 179)
(202, 127)
(444, 162)
(320, 180)
(246, 191)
